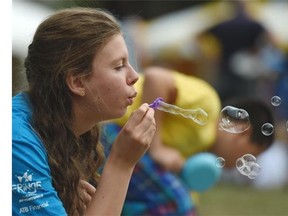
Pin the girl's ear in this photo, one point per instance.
(75, 84)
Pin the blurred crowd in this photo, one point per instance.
(236, 47)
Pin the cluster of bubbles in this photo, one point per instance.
(235, 120)
(267, 128)
(248, 166)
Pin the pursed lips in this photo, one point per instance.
(131, 98)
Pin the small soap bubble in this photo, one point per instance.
(252, 176)
(244, 170)
(249, 159)
(240, 165)
(234, 120)
(267, 129)
(255, 168)
(220, 162)
(275, 100)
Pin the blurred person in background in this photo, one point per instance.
(274, 162)
(243, 43)
(157, 186)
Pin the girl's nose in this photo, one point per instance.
(132, 77)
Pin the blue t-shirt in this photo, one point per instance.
(32, 189)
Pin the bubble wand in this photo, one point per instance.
(197, 115)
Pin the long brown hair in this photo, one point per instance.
(66, 41)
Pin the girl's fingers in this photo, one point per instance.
(90, 189)
(137, 115)
(87, 191)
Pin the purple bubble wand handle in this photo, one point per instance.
(197, 115)
(156, 103)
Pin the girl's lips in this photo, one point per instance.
(131, 98)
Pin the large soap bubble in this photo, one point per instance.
(234, 120)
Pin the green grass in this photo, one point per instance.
(235, 200)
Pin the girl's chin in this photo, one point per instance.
(121, 113)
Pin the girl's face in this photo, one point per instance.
(109, 89)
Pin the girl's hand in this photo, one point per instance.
(135, 137)
(86, 191)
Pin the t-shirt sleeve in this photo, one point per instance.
(32, 189)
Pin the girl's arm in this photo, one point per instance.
(130, 145)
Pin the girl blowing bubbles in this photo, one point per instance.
(79, 75)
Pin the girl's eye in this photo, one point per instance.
(120, 67)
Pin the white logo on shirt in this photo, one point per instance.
(28, 189)
(26, 185)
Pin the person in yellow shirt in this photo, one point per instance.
(159, 181)
(187, 92)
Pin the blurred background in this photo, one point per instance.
(239, 47)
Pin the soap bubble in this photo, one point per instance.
(249, 159)
(220, 162)
(275, 100)
(234, 120)
(255, 170)
(241, 166)
(267, 129)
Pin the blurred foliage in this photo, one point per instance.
(236, 200)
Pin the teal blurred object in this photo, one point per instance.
(200, 172)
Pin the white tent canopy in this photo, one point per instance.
(26, 18)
